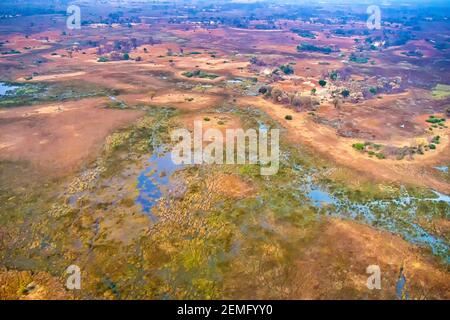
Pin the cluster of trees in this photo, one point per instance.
(119, 17)
(295, 100)
(358, 58)
(350, 32)
(123, 46)
(120, 49)
(413, 53)
(115, 56)
(397, 38)
(390, 38)
(441, 46)
(313, 48)
(304, 33)
(399, 153)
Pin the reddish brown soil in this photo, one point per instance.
(58, 137)
(345, 249)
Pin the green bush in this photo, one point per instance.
(359, 146)
(436, 140)
(199, 74)
(287, 69)
(334, 75)
(188, 74)
(434, 120)
(288, 117)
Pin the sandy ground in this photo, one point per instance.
(51, 77)
(345, 249)
(188, 101)
(58, 137)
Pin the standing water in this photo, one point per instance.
(6, 88)
(443, 169)
(154, 180)
(396, 215)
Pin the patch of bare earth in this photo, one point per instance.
(334, 265)
(233, 186)
(58, 137)
(182, 100)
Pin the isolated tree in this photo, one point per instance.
(297, 101)
(337, 103)
(276, 94)
(134, 43)
(322, 83)
(287, 69)
(265, 89)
